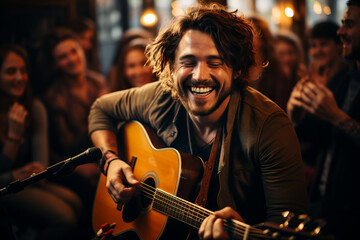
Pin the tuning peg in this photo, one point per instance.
(289, 216)
(319, 225)
(303, 219)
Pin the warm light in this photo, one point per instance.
(149, 18)
(276, 14)
(176, 9)
(289, 12)
(327, 10)
(317, 7)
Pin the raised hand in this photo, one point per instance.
(318, 100)
(17, 116)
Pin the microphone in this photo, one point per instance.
(64, 167)
(90, 155)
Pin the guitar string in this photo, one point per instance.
(236, 230)
(150, 192)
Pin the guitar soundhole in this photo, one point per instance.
(147, 193)
(141, 201)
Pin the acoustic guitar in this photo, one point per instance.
(162, 207)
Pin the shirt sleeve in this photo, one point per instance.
(132, 104)
(282, 168)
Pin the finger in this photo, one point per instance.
(326, 91)
(228, 213)
(202, 228)
(218, 230)
(129, 176)
(208, 233)
(114, 192)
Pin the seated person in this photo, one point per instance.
(52, 210)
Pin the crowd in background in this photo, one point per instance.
(45, 120)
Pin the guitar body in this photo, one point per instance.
(160, 167)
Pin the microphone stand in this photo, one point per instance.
(60, 168)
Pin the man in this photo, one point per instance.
(326, 64)
(203, 59)
(333, 115)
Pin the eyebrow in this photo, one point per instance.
(347, 20)
(190, 56)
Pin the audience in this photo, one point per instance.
(51, 210)
(290, 54)
(85, 29)
(129, 68)
(329, 112)
(272, 81)
(68, 100)
(325, 52)
(326, 64)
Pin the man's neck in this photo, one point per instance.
(205, 127)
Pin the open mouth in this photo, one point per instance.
(201, 91)
(345, 42)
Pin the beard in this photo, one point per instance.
(182, 92)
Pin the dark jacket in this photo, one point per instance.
(260, 168)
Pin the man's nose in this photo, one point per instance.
(201, 71)
(340, 31)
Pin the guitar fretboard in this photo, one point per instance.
(179, 209)
(194, 215)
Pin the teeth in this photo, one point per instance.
(201, 90)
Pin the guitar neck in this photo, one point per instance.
(193, 215)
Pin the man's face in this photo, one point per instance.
(202, 80)
(69, 57)
(323, 51)
(349, 33)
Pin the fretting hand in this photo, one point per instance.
(212, 226)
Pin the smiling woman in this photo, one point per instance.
(49, 210)
(68, 101)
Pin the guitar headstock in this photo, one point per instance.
(299, 227)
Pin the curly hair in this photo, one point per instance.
(231, 33)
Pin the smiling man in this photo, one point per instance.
(203, 105)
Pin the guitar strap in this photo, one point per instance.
(208, 169)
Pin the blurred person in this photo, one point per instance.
(331, 115)
(50, 209)
(270, 80)
(85, 29)
(290, 54)
(325, 52)
(326, 64)
(68, 100)
(128, 68)
(131, 69)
